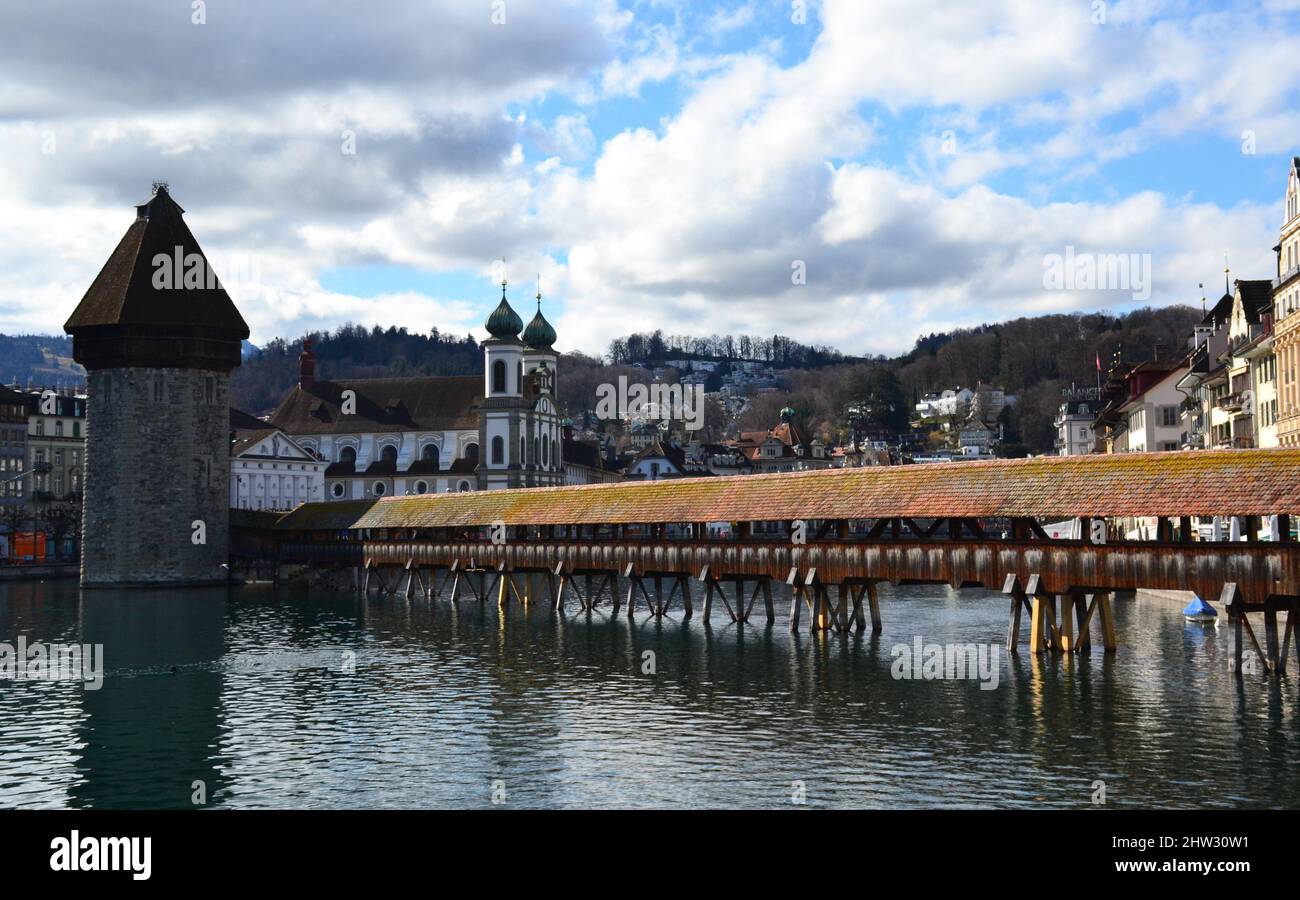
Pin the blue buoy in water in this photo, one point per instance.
(1199, 611)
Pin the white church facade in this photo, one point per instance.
(383, 437)
(268, 469)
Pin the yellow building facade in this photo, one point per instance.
(1286, 316)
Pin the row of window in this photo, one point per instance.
(541, 451)
(388, 454)
(10, 468)
(1268, 413)
(272, 483)
(288, 467)
(58, 428)
(38, 457)
(380, 488)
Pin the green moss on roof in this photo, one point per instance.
(1229, 482)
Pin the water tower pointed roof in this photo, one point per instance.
(124, 293)
(504, 322)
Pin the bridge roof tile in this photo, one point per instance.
(1211, 482)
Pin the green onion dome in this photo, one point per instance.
(539, 335)
(504, 321)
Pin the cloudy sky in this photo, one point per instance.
(660, 163)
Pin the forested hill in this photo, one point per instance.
(351, 351)
(655, 348)
(1025, 352)
(43, 360)
(1033, 358)
(1036, 358)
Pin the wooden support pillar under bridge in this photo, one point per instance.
(1272, 658)
(1058, 623)
(840, 607)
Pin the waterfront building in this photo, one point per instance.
(1250, 402)
(158, 353)
(1073, 423)
(1228, 387)
(1205, 379)
(1142, 412)
(1286, 321)
(56, 443)
(437, 434)
(14, 487)
(268, 469)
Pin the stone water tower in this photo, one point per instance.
(158, 336)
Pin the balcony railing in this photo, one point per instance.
(1285, 276)
(1233, 402)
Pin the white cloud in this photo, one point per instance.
(688, 222)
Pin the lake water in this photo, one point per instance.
(246, 691)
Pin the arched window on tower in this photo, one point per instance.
(348, 455)
(471, 453)
(430, 455)
(498, 450)
(546, 450)
(389, 454)
(499, 377)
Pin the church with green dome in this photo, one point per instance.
(438, 434)
(522, 435)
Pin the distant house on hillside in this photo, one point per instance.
(785, 448)
(660, 461)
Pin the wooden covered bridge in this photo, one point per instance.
(834, 535)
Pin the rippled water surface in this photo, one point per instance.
(246, 691)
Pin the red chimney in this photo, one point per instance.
(306, 366)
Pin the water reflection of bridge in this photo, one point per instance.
(832, 536)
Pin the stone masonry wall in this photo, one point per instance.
(154, 468)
